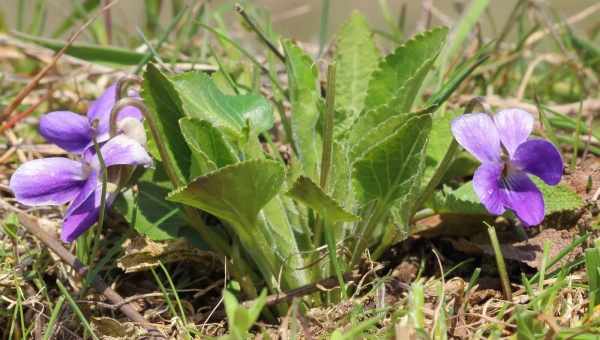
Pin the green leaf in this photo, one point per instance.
(558, 198)
(79, 11)
(440, 140)
(164, 106)
(401, 73)
(369, 120)
(91, 53)
(203, 100)
(375, 135)
(148, 212)
(462, 200)
(304, 97)
(207, 143)
(391, 168)
(307, 192)
(341, 175)
(356, 58)
(235, 193)
(241, 319)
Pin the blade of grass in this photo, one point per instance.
(223, 71)
(245, 53)
(570, 140)
(92, 53)
(564, 252)
(550, 133)
(474, 279)
(174, 292)
(162, 39)
(38, 18)
(80, 11)
(389, 19)
(153, 52)
(75, 308)
(459, 34)
(577, 136)
(325, 9)
(542, 268)
(167, 297)
(53, 318)
(458, 265)
(263, 37)
(19, 307)
(592, 265)
(20, 14)
(527, 285)
(152, 11)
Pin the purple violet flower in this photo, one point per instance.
(73, 132)
(59, 180)
(507, 156)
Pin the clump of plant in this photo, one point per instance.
(367, 153)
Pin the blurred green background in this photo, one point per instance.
(298, 19)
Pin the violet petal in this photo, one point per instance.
(121, 150)
(68, 130)
(80, 219)
(100, 109)
(476, 132)
(540, 158)
(84, 211)
(514, 126)
(487, 186)
(524, 198)
(48, 181)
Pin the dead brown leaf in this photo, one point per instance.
(142, 254)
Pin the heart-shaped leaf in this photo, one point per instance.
(203, 100)
(235, 193)
(307, 192)
(391, 168)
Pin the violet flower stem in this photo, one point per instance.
(500, 263)
(102, 212)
